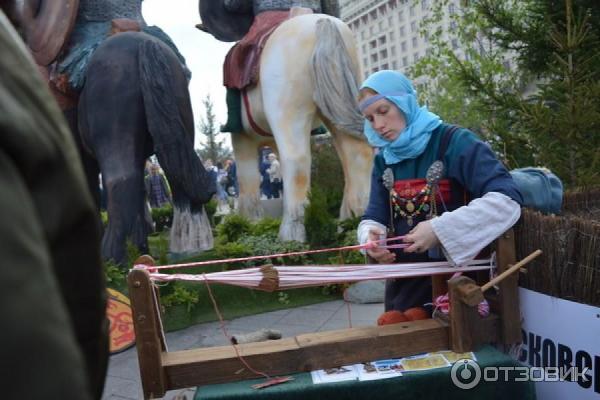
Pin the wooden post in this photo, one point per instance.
(149, 340)
(464, 318)
(508, 293)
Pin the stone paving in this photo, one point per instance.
(123, 379)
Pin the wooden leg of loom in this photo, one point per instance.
(149, 338)
(508, 294)
(465, 323)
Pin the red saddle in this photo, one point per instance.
(243, 60)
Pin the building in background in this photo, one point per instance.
(388, 31)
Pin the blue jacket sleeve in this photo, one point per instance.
(475, 166)
(378, 208)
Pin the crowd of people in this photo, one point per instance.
(224, 174)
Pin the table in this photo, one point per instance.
(432, 384)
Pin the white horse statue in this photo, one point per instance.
(308, 76)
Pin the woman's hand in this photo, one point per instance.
(421, 238)
(380, 254)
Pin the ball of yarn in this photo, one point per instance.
(416, 313)
(391, 317)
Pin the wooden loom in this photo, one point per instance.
(463, 331)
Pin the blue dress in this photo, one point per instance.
(471, 170)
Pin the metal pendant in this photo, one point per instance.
(409, 220)
(388, 178)
(435, 173)
(410, 206)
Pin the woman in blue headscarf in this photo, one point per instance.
(435, 183)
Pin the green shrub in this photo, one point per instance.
(233, 250)
(266, 226)
(347, 257)
(180, 295)
(334, 289)
(320, 226)
(211, 209)
(115, 275)
(162, 245)
(347, 238)
(232, 228)
(269, 244)
(327, 174)
(133, 253)
(104, 218)
(162, 217)
(349, 224)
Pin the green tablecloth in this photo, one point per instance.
(432, 384)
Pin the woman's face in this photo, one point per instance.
(385, 118)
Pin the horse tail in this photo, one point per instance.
(171, 125)
(335, 79)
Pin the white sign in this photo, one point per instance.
(563, 334)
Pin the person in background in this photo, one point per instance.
(436, 184)
(53, 300)
(274, 172)
(157, 188)
(265, 181)
(222, 182)
(147, 168)
(212, 170)
(233, 188)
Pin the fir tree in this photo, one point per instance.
(214, 147)
(544, 109)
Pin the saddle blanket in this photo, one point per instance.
(243, 60)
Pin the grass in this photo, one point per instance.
(235, 302)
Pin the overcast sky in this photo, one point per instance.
(204, 54)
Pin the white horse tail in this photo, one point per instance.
(335, 79)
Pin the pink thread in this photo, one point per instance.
(290, 277)
(254, 258)
(442, 303)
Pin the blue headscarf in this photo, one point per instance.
(420, 123)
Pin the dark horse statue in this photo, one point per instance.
(135, 102)
(124, 91)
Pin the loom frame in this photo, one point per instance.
(162, 370)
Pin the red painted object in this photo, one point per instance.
(416, 313)
(391, 317)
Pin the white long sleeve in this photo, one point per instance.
(465, 231)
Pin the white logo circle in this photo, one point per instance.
(465, 374)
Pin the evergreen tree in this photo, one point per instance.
(214, 147)
(542, 110)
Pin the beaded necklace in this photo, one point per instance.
(410, 208)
